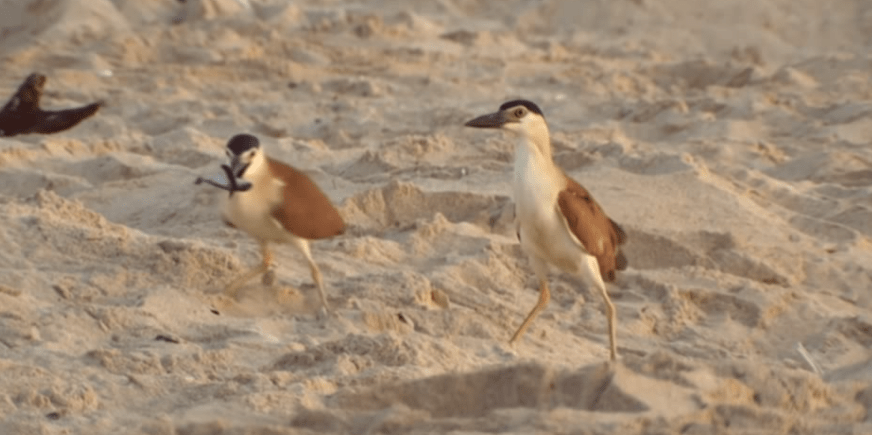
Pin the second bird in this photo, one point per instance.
(558, 221)
(279, 204)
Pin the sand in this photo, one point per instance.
(730, 139)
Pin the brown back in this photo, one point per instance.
(305, 211)
(600, 235)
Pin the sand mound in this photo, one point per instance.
(401, 204)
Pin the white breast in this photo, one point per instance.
(251, 211)
(544, 232)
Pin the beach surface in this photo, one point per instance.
(730, 139)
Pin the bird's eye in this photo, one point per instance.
(519, 112)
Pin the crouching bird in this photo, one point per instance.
(274, 203)
(558, 222)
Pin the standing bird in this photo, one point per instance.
(557, 220)
(274, 202)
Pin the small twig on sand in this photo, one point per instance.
(814, 367)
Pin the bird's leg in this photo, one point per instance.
(611, 314)
(269, 278)
(544, 297)
(316, 276)
(303, 246)
(231, 289)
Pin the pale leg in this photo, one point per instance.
(544, 297)
(303, 246)
(231, 289)
(269, 278)
(590, 271)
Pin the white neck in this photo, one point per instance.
(533, 134)
(257, 168)
(534, 149)
(541, 141)
(537, 179)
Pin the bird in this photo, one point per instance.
(22, 114)
(274, 203)
(557, 220)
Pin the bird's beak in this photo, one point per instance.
(237, 167)
(491, 120)
(228, 180)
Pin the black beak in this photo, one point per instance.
(233, 184)
(237, 167)
(491, 120)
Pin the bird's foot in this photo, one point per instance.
(269, 278)
(324, 314)
(507, 351)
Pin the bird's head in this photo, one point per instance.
(520, 117)
(243, 150)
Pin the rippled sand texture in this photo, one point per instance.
(730, 138)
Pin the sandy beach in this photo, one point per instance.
(730, 139)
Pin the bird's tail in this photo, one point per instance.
(620, 260)
(622, 235)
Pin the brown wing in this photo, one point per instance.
(305, 210)
(600, 235)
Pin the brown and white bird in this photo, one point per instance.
(274, 203)
(558, 222)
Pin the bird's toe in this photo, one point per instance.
(325, 314)
(269, 278)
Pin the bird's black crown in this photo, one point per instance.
(241, 143)
(531, 106)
